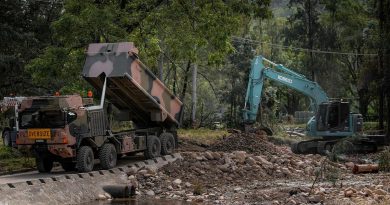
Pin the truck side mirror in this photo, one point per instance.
(71, 116)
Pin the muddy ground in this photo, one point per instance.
(249, 169)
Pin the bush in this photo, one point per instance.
(198, 189)
(384, 160)
(9, 153)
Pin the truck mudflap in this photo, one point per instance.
(131, 87)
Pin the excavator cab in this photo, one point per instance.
(333, 116)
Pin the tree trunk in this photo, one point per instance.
(381, 109)
(386, 85)
(388, 120)
(364, 100)
(311, 42)
(194, 84)
(185, 82)
(174, 79)
(161, 67)
(381, 18)
(232, 97)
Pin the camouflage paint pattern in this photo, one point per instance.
(131, 86)
(8, 103)
(62, 137)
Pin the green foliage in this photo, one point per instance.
(198, 188)
(80, 24)
(368, 126)
(44, 43)
(24, 29)
(6, 152)
(202, 135)
(13, 160)
(384, 160)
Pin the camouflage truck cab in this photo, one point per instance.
(50, 126)
(64, 129)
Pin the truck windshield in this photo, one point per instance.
(42, 119)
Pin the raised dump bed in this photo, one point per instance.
(131, 87)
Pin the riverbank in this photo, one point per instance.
(249, 169)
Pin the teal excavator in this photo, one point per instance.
(331, 122)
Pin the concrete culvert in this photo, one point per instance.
(120, 191)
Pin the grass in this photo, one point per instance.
(280, 136)
(202, 135)
(384, 160)
(209, 136)
(370, 125)
(16, 164)
(11, 160)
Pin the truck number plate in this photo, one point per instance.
(39, 133)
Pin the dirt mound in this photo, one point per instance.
(255, 143)
(223, 176)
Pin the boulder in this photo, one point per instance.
(208, 155)
(150, 193)
(216, 155)
(250, 161)
(177, 181)
(240, 156)
(380, 192)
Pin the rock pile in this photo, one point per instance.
(248, 169)
(208, 176)
(256, 143)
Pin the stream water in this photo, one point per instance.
(140, 202)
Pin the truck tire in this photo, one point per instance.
(7, 139)
(153, 147)
(68, 166)
(44, 164)
(167, 143)
(85, 159)
(108, 156)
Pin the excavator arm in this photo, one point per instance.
(259, 72)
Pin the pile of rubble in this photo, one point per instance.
(256, 143)
(248, 169)
(218, 176)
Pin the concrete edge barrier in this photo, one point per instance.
(159, 162)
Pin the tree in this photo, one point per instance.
(306, 29)
(25, 30)
(80, 24)
(383, 9)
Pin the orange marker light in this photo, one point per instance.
(65, 140)
(90, 94)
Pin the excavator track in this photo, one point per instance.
(324, 146)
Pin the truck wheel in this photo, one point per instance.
(153, 148)
(108, 156)
(68, 166)
(44, 164)
(167, 143)
(85, 159)
(7, 139)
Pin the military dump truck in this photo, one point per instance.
(73, 133)
(9, 109)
